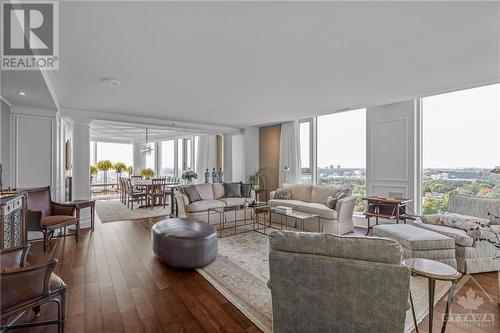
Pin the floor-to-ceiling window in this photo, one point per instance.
(180, 157)
(341, 151)
(461, 144)
(189, 153)
(114, 152)
(168, 158)
(151, 157)
(305, 151)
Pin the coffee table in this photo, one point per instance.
(433, 270)
(222, 211)
(295, 214)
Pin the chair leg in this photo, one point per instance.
(77, 231)
(62, 313)
(45, 241)
(36, 310)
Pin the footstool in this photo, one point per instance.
(184, 243)
(420, 243)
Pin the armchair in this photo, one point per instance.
(24, 288)
(46, 216)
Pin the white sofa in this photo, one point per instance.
(212, 196)
(312, 199)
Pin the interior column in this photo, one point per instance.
(81, 166)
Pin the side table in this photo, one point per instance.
(80, 204)
(259, 192)
(433, 270)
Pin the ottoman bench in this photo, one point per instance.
(420, 243)
(184, 243)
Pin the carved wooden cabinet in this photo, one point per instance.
(12, 221)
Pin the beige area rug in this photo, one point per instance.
(111, 210)
(241, 270)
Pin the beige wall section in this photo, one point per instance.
(269, 154)
(220, 157)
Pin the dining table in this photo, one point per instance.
(146, 183)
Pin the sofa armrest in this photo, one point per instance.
(345, 208)
(431, 218)
(182, 201)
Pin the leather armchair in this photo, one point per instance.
(46, 216)
(26, 288)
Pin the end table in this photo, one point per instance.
(433, 270)
(80, 204)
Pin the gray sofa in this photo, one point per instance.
(312, 199)
(213, 196)
(329, 283)
(473, 251)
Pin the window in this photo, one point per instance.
(195, 166)
(188, 154)
(341, 149)
(151, 158)
(180, 158)
(115, 152)
(167, 158)
(461, 143)
(305, 151)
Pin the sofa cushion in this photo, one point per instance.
(205, 191)
(232, 190)
(231, 202)
(282, 194)
(459, 221)
(192, 193)
(460, 236)
(218, 190)
(204, 205)
(300, 192)
(246, 190)
(331, 202)
(319, 194)
(316, 208)
(414, 238)
(288, 203)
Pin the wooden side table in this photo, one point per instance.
(259, 192)
(80, 204)
(387, 208)
(433, 270)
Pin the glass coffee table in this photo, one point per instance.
(238, 226)
(263, 219)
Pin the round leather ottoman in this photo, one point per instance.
(184, 243)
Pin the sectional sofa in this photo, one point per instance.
(312, 199)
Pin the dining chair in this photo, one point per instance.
(134, 195)
(26, 288)
(157, 190)
(47, 216)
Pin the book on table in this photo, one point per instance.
(283, 209)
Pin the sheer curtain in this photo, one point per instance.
(206, 156)
(289, 153)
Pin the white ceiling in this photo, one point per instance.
(247, 63)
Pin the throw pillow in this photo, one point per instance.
(232, 190)
(192, 193)
(246, 190)
(282, 194)
(463, 222)
(331, 201)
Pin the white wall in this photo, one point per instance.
(239, 162)
(391, 150)
(35, 148)
(5, 143)
(251, 140)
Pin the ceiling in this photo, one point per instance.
(248, 63)
(103, 131)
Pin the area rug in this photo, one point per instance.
(241, 270)
(111, 210)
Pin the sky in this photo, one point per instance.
(462, 129)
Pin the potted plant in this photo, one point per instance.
(130, 170)
(120, 168)
(147, 173)
(189, 176)
(256, 179)
(105, 166)
(93, 172)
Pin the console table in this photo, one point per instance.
(388, 208)
(13, 231)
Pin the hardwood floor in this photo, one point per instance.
(116, 285)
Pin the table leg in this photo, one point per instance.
(413, 312)
(448, 304)
(368, 228)
(92, 216)
(432, 288)
(172, 214)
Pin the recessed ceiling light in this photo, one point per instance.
(111, 82)
(22, 93)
